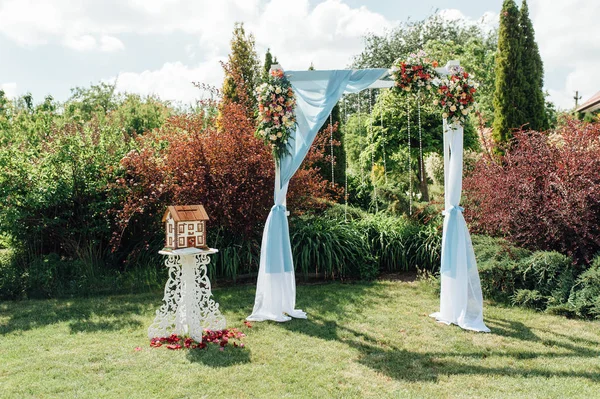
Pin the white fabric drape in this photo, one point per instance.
(461, 300)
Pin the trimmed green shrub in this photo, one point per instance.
(529, 299)
(497, 261)
(549, 273)
(585, 295)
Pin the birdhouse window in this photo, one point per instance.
(170, 241)
(190, 227)
(181, 241)
(170, 228)
(181, 228)
(199, 227)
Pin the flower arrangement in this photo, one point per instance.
(415, 74)
(276, 116)
(455, 95)
(220, 337)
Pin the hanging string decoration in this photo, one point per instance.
(456, 95)
(410, 190)
(331, 147)
(421, 166)
(383, 140)
(345, 119)
(372, 145)
(276, 113)
(415, 76)
(362, 176)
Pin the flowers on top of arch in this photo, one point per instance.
(455, 95)
(415, 74)
(276, 113)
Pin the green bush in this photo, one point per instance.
(529, 299)
(541, 280)
(364, 245)
(497, 262)
(585, 295)
(549, 273)
(11, 276)
(332, 248)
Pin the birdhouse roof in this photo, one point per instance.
(185, 213)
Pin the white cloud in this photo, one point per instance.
(566, 35)
(328, 35)
(110, 44)
(488, 21)
(29, 22)
(172, 82)
(81, 43)
(10, 89)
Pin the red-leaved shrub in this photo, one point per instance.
(544, 193)
(228, 170)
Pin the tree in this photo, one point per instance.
(242, 71)
(267, 65)
(533, 72)
(509, 101)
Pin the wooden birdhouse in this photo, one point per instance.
(185, 227)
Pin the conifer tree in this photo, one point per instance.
(534, 109)
(267, 66)
(509, 100)
(243, 66)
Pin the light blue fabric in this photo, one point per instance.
(461, 300)
(316, 92)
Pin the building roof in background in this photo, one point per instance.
(590, 105)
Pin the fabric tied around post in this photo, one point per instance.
(278, 220)
(447, 212)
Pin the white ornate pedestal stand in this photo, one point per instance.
(188, 307)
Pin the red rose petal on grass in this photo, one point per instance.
(248, 324)
(137, 349)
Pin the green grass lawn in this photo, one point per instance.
(361, 340)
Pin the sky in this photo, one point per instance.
(161, 46)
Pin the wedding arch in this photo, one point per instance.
(312, 95)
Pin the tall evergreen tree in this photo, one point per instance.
(509, 100)
(243, 63)
(267, 65)
(533, 72)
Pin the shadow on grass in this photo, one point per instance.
(82, 314)
(428, 366)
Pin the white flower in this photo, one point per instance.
(272, 137)
(444, 115)
(278, 90)
(435, 102)
(428, 87)
(453, 108)
(279, 134)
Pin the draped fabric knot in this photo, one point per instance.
(280, 208)
(454, 208)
